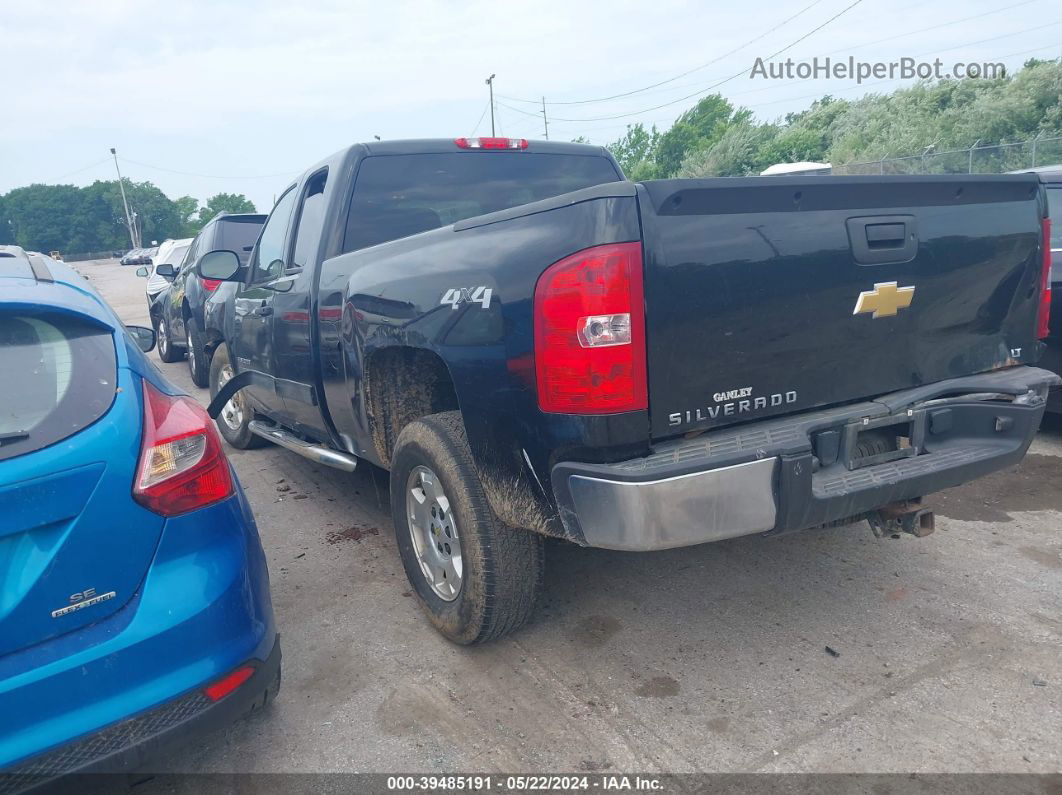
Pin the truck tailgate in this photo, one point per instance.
(773, 295)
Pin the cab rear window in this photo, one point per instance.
(58, 378)
(400, 195)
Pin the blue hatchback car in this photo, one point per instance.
(134, 596)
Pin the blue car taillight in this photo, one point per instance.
(182, 466)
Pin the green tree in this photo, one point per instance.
(698, 128)
(636, 151)
(155, 215)
(187, 211)
(7, 233)
(225, 202)
(740, 151)
(41, 215)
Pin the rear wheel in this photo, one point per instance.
(167, 352)
(198, 360)
(476, 578)
(235, 418)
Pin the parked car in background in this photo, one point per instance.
(131, 257)
(178, 315)
(134, 596)
(138, 256)
(1051, 176)
(171, 252)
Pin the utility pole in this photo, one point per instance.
(125, 203)
(545, 120)
(490, 85)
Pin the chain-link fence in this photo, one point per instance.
(977, 159)
(92, 255)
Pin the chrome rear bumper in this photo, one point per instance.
(676, 511)
(796, 472)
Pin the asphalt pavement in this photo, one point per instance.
(945, 653)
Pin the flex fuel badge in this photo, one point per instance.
(79, 601)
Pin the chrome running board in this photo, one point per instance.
(314, 452)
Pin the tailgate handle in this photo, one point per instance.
(886, 235)
(884, 238)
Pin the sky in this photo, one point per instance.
(205, 97)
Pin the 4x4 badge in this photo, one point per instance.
(885, 300)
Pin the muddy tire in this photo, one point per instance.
(198, 358)
(235, 418)
(167, 352)
(437, 500)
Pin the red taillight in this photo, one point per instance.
(590, 332)
(182, 466)
(223, 687)
(1044, 316)
(210, 285)
(491, 143)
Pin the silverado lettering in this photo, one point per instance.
(729, 409)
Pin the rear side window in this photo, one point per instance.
(1054, 205)
(311, 220)
(239, 235)
(400, 195)
(66, 373)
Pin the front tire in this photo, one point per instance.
(198, 360)
(445, 529)
(167, 352)
(235, 418)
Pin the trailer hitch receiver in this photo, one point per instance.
(907, 516)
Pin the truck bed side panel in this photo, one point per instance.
(392, 295)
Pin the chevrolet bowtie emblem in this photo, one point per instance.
(884, 300)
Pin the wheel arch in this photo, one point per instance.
(404, 383)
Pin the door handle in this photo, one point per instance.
(263, 311)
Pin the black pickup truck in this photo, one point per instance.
(535, 347)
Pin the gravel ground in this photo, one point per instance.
(711, 658)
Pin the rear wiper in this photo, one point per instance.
(13, 436)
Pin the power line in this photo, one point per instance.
(734, 76)
(683, 74)
(865, 44)
(79, 170)
(882, 82)
(936, 27)
(704, 89)
(877, 82)
(209, 176)
(480, 120)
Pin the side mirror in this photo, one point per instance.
(141, 272)
(221, 265)
(166, 270)
(143, 336)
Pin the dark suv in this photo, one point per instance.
(178, 314)
(1051, 176)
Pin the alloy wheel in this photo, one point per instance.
(433, 530)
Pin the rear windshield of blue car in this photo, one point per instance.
(400, 195)
(58, 378)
